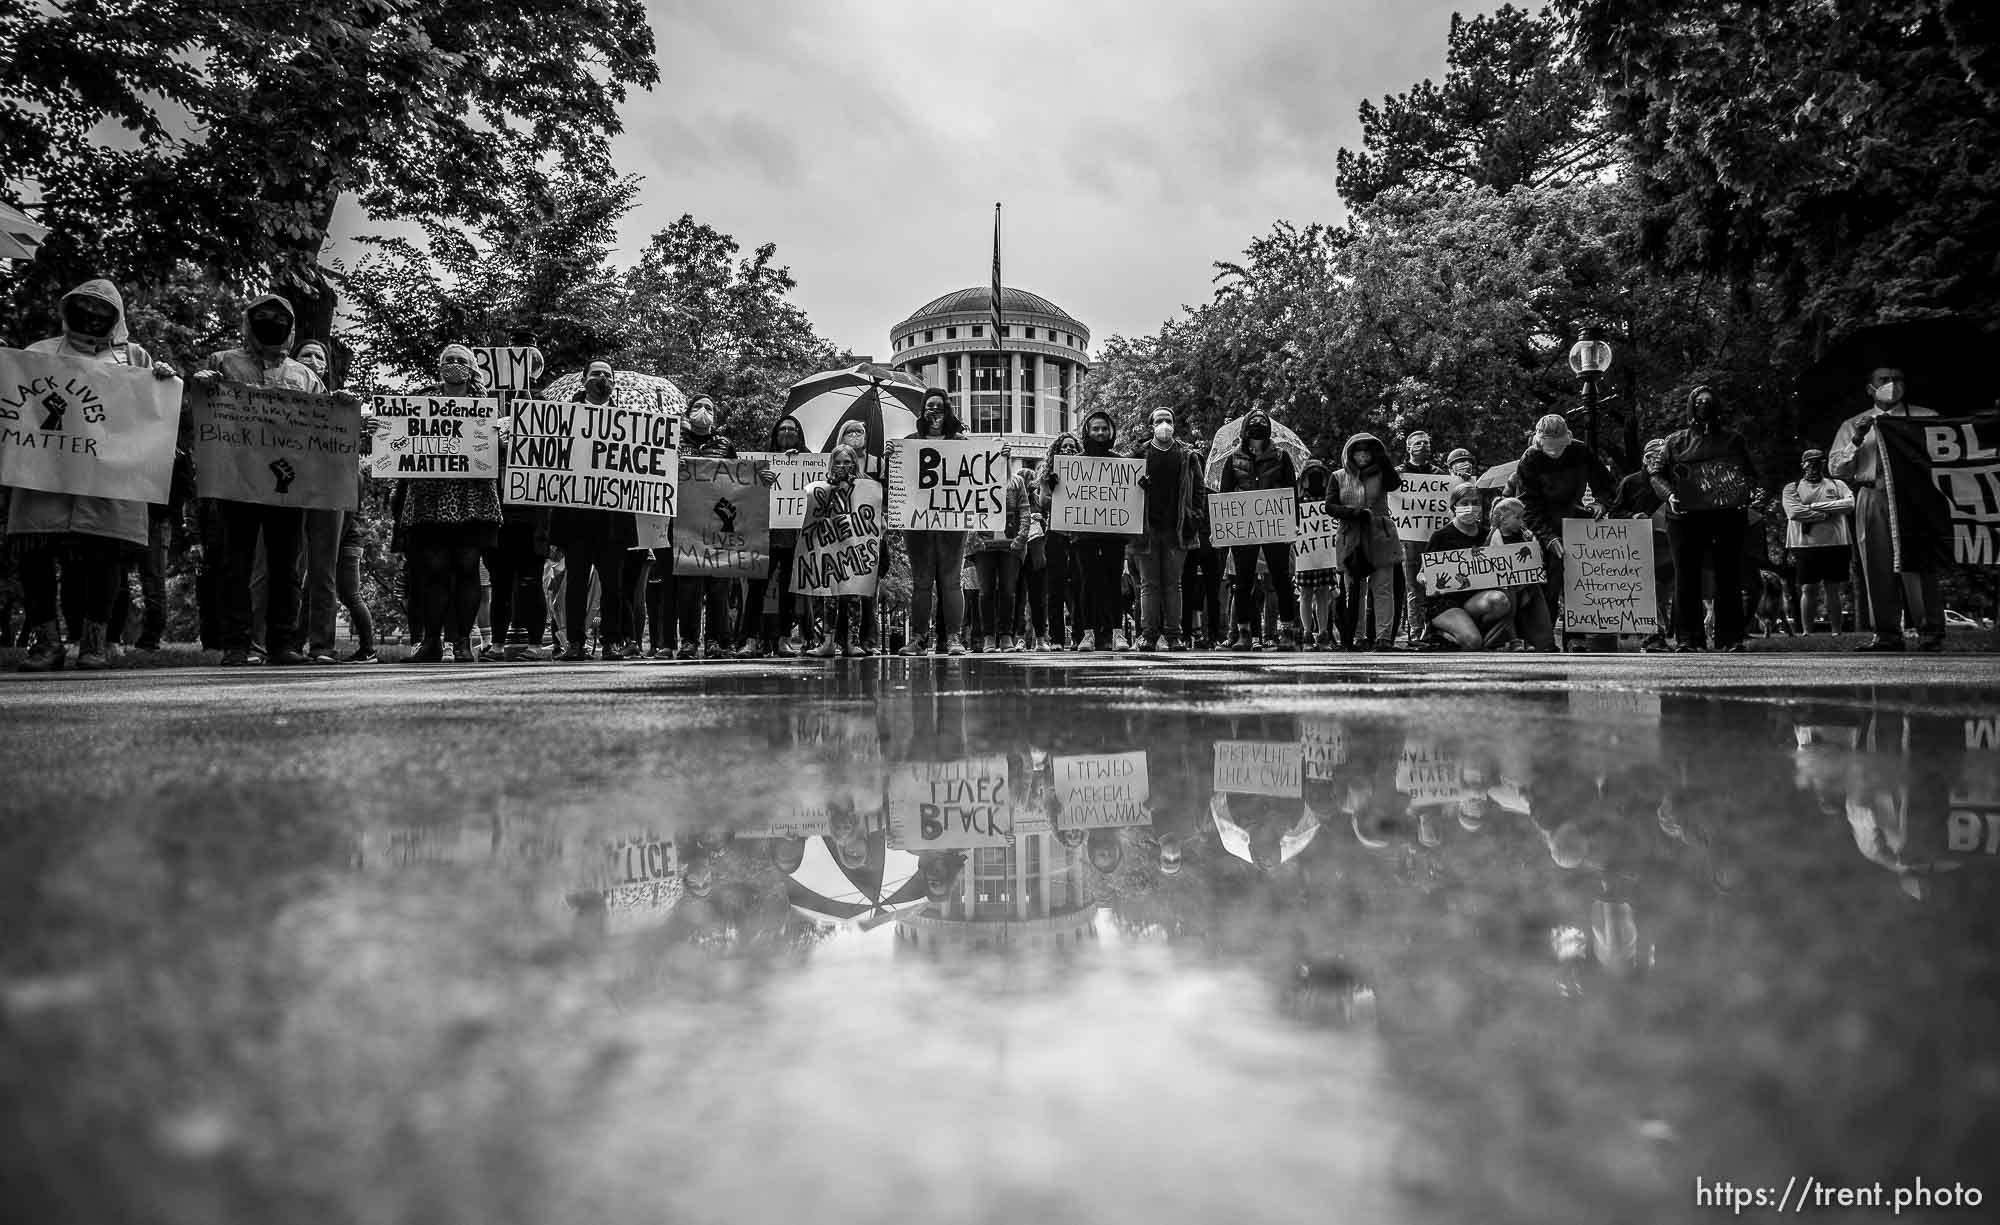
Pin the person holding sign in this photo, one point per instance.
(1257, 463)
(1174, 501)
(67, 546)
(706, 594)
(593, 539)
(1472, 620)
(445, 526)
(1550, 481)
(1061, 576)
(1534, 618)
(1371, 550)
(833, 498)
(1319, 590)
(1097, 558)
(772, 633)
(1709, 478)
(1417, 446)
(936, 557)
(1856, 457)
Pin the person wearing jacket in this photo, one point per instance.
(1856, 458)
(1473, 620)
(831, 498)
(1202, 575)
(1174, 500)
(936, 557)
(699, 594)
(1817, 509)
(1099, 557)
(1639, 497)
(68, 547)
(263, 360)
(1032, 545)
(594, 539)
(1417, 446)
(1259, 463)
(1549, 482)
(997, 561)
(1319, 590)
(1063, 573)
(772, 635)
(1369, 548)
(1708, 478)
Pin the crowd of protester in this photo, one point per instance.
(487, 581)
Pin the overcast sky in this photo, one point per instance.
(1132, 142)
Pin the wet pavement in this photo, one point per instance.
(1168, 939)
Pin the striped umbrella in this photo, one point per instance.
(884, 400)
(20, 236)
(866, 892)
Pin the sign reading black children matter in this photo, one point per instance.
(591, 457)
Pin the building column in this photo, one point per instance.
(964, 407)
(1011, 420)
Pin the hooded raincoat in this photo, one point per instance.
(1361, 503)
(784, 537)
(265, 365)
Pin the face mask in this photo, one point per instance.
(1258, 431)
(843, 471)
(701, 421)
(1551, 447)
(1467, 518)
(1163, 432)
(1462, 470)
(1420, 452)
(599, 382)
(789, 440)
(86, 322)
(314, 362)
(270, 330)
(1888, 393)
(1068, 447)
(456, 372)
(1815, 472)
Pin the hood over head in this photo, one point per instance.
(1391, 479)
(281, 348)
(1055, 444)
(774, 445)
(953, 427)
(1083, 433)
(103, 291)
(1313, 477)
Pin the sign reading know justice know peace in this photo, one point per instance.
(590, 456)
(435, 436)
(275, 446)
(1259, 516)
(942, 486)
(1097, 495)
(90, 428)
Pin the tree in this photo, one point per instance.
(1514, 111)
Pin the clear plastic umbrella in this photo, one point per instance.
(1230, 436)
(629, 389)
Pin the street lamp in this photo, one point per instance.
(1589, 358)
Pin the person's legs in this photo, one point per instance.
(575, 598)
(1035, 589)
(1057, 589)
(1534, 621)
(1004, 587)
(610, 565)
(284, 538)
(500, 569)
(321, 595)
(238, 527)
(1173, 560)
(1242, 587)
(635, 570)
(1724, 530)
(1414, 619)
(466, 596)
(1382, 603)
(1457, 625)
(1685, 541)
(347, 587)
(663, 600)
(923, 583)
(210, 591)
(715, 593)
(1926, 605)
(153, 581)
(782, 561)
(1883, 586)
(432, 565)
(986, 563)
(1278, 560)
(1146, 553)
(951, 559)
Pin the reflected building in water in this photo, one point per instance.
(1034, 894)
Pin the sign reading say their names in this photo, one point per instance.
(1422, 505)
(98, 429)
(435, 436)
(1608, 581)
(1482, 567)
(723, 528)
(1257, 516)
(1260, 767)
(1096, 494)
(1318, 545)
(841, 553)
(1102, 790)
(936, 485)
(950, 805)
(590, 456)
(796, 474)
(275, 446)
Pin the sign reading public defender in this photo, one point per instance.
(947, 486)
(590, 456)
(435, 436)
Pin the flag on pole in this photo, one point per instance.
(996, 279)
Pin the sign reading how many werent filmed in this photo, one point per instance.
(590, 456)
(1097, 494)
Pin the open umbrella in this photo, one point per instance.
(870, 891)
(885, 401)
(1236, 840)
(1229, 436)
(1944, 358)
(629, 389)
(20, 237)
(1497, 476)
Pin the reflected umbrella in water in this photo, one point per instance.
(855, 884)
(1237, 840)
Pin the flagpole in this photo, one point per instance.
(1000, 345)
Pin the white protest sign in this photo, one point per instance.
(841, 553)
(511, 369)
(1257, 516)
(796, 474)
(98, 429)
(1095, 494)
(1608, 583)
(1428, 774)
(1481, 568)
(950, 805)
(1260, 767)
(435, 436)
(1422, 505)
(590, 456)
(275, 446)
(937, 485)
(1324, 744)
(1102, 790)
(1317, 547)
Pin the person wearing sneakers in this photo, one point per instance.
(1319, 590)
(1061, 581)
(1258, 463)
(593, 539)
(1369, 547)
(829, 499)
(68, 547)
(1817, 510)
(936, 557)
(1097, 557)
(770, 633)
(1174, 501)
(446, 525)
(703, 597)
(1856, 458)
(998, 563)
(1709, 479)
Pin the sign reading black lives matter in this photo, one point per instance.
(937, 485)
(724, 524)
(435, 436)
(94, 428)
(275, 446)
(1942, 477)
(950, 805)
(591, 457)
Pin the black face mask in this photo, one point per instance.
(86, 322)
(1258, 431)
(270, 330)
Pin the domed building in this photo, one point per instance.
(1032, 895)
(1025, 392)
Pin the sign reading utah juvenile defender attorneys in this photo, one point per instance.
(435, 436)
(590, 456)
(91, 428)
(1102, 790)
(1422, 505)
(947, 486)
(1942, 478)
(1318, 545)
(1257, 516)
(723, 525)
(795, 474)
(1482, 567)
(1608, 584)
(1096, 494)
(950, 805)
(274, 446)
(840, 553)
(1260, 767)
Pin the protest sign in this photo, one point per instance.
(1608, 583)
(634, 880)
(1942, 478)
(1482, 567)
(435, 436)
(722, 528)
(941, 486)
(796, 474)
(654, 532)
(1260, 767)
(275, 446)
(1258, 516)
(1422, 505)
(1102, 790)
(1097, 495)
(1428, 774)
(590, 456)
(1324, 746)
(96, 429)
(840, 553)
(512, 369)
(950, 805)
(1318, 545)
(1712, 484)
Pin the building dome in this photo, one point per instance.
(977, 301)
(1025, 388)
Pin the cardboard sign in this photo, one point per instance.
(654, 532)
(723, 525)
(1429, 775)
(1098, 495)
(1608, 584)
(1712, 484)
(796, 474)
(940, 486)
(590, 456)
(950, 805)
(1260, 767)
(275, 446)
(1482, 568)
(1942, 478)
(1318, 545)
(841, 553)
(1324, 747)
(515, 369)
(82, 427)
(434, 436)
(1422, 505)
(1258, 516)
(1102, 791)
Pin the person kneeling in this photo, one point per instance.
(1470, 620)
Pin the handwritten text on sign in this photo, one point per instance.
(1097, 495)
(1422, 505)
(90, 428)
(939, 486)
(435, 436)
(1258, 516)
(1324, 743)
(1608, 584)
(950, 805)
(1318, 545)
(840, 553)
(514, 369)
(1102, 790)
(724, 511)
(1430, 774)
(795, 474)
(590, 456)
(1260, 767)
(275, 446)
(1482, 567)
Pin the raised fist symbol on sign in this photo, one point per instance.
(725, 510)
(283, 472)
